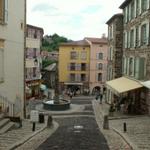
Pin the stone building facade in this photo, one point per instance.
(115, 52)
(136, 50)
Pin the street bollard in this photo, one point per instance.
(49, 121)
(124, 127)
(33, 126)
(106, 123)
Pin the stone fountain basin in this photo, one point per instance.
(62, 105)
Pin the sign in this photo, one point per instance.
(34, 116)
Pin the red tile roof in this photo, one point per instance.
(97, 40)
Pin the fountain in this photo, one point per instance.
(56, 104)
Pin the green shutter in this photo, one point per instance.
(141, 68)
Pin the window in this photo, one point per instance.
(99, 55)
(110, 55)
(132, 10)
(83, 55)
(3, 11)
(83, 77)
(34, 72)
(110, 31)
(74, 55)
(132, 38)
(139, 68)
(83, 66)
(99, 66)
(72, 77)
(99, 78)
(34, 52)
(144, 5)
(137, 7)
(72, 66)
(131, 66)
(137, 40)
(143, 34)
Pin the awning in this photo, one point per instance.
(146, 84)
(123, 84)
(73, 83)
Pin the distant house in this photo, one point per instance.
(49, 74)
(45, 55)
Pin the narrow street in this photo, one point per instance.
(77, 131)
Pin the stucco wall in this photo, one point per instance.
(13, 86)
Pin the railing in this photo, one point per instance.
(6, 106)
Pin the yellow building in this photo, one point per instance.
(74, 58)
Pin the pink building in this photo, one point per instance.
(98, 63)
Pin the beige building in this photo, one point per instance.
(12, 21)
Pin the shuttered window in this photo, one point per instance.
(3, 11)
(1, 61)
(139, 68)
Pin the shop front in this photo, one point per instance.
(33, 89)
(128, 95)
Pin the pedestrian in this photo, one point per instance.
(100, 98)
(71, 94)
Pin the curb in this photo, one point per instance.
(17, 144)
(126, 139)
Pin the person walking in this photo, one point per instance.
(100, 98)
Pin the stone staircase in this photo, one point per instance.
(5, 124)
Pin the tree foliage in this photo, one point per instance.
(51, 42)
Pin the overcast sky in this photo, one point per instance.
(74, 19)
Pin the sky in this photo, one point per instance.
(73, 19)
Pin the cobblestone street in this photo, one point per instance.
(76, 133)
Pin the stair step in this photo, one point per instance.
(7, 127)
(3, 122)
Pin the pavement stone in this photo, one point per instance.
(15, 137)
(138, 127)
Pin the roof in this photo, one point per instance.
(35, 27)
(97, 40)
(113, 17)
(124, 4)
(77, 43)
(125, 86)
(51, 67)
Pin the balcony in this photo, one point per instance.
(32, 43)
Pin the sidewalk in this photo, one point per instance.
(16, 137)
(138, 129)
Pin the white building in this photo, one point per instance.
(12, 41)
